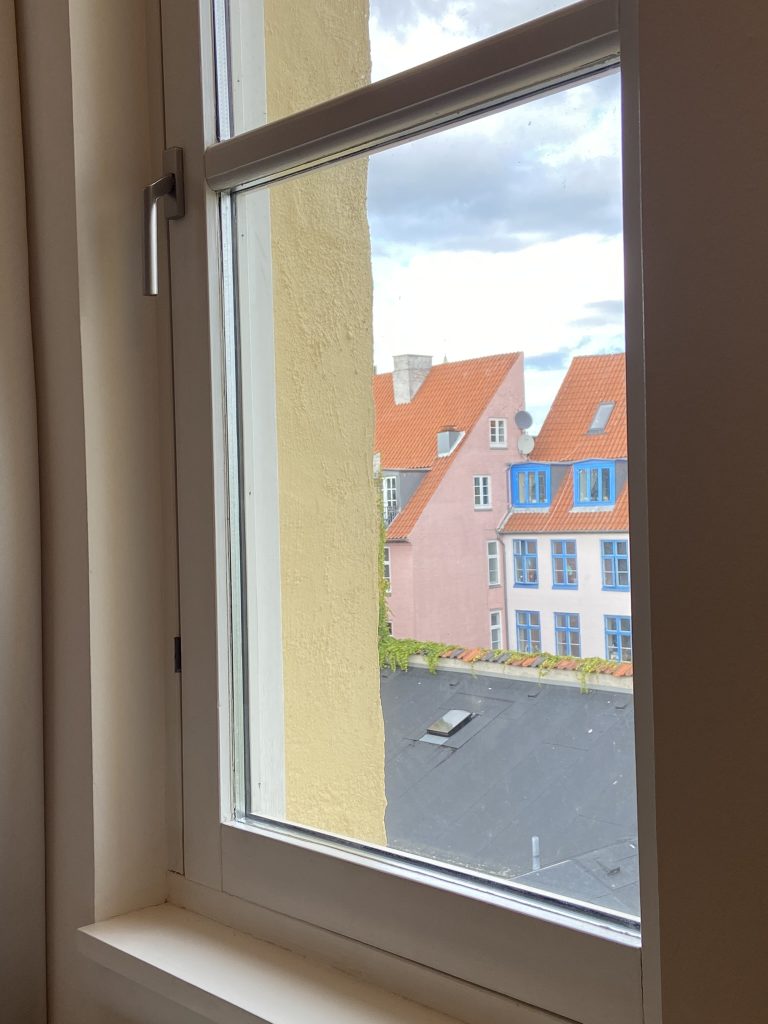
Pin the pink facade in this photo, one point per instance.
(439, 575)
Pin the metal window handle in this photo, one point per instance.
(170, 186)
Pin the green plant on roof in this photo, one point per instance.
(394, 653)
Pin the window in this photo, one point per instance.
(482, 492)
(594, 483)
(601, 417)
(496, 638)
(618, 638)
(387, 569)
(567, 634)
(530, 485)
(498, 432)
(564, 572)
(268, 856)
(492, 551)
(389, 494)
(526, 563)
(528, 632)
(447, 440)
(615, 560)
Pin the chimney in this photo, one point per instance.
(410, 373)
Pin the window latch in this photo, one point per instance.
(170, 186)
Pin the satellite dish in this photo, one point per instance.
(523, 420)
(525, 443)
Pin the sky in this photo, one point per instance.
(503, 234)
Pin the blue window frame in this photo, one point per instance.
(530, 486)
(565, 574)
(615, 564)
(618, 638)
(525, 557)
(528, 632)
(594, 483)
(567, 634)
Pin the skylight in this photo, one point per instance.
(601, 417)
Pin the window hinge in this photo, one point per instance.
(177, 654)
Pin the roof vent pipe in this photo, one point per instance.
(410, 373)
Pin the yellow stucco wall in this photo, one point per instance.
(334, 735)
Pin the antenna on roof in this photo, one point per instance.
(525, 443)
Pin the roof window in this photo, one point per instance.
(601, 417)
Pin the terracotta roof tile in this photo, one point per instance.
(453, 394)
(590, 380)
(564, 437)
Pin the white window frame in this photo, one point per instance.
(387, 569)
(497, 426)
(389, 491)
(496, 631)
(482, 492)
(493, 556)
(565, 961)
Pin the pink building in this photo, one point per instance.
(445, 436)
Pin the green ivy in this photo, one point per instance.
(394, 654)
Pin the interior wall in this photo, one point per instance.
(89, 151)
(22, 865)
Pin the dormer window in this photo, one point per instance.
(594, 483)
(447, 439)
(531, 486)
(601, 417)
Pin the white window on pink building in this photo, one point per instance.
(482, 492)
(494, 578)
(387, 569)
(496, 638)
(498, 433)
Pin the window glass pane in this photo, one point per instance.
(375, 304)
(286, 55)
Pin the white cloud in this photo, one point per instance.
(548, 299)
(466, 304)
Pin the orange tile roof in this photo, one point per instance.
(452, 395)
(563, 437)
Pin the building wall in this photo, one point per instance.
(449, 574)
(401, 596)
(323, 314)
(589, 601)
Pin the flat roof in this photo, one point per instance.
(536, 759)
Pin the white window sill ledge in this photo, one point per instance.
(230, 978)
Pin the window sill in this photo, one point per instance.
(229, 977)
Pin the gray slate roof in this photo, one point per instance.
(536, 760)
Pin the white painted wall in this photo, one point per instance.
(589, 601)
